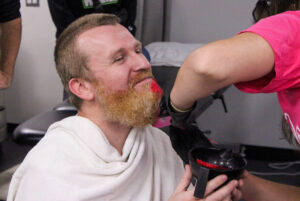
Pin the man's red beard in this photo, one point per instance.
(129, 107)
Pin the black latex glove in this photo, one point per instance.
(179, 119)
(183, 119)
(185, 139)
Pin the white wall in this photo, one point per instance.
(36, 86)
(207, 20)
(252, 119)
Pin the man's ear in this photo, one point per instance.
(82, 88)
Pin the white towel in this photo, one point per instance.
(75, 161)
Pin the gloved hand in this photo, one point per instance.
(182, 119)
(187, 138)
(179, 118)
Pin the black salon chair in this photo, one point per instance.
(32, 130)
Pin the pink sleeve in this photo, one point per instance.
(282, 32)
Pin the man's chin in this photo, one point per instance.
(134, 107)
(137, 122)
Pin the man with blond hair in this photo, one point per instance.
(109, 150)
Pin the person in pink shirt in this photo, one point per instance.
(264, 58)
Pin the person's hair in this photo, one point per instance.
(266, 8)
(287, 133)
(70, 63)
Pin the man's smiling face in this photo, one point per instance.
(122, 75)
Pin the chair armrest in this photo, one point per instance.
(65, 106)
(32, 130)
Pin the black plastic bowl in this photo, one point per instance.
(232, 165)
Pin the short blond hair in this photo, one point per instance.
(70, 63)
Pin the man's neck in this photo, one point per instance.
(114, 132)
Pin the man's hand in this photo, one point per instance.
(226, 193)
(5, 80)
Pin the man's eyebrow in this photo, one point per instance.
(121, 50)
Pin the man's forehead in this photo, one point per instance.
(104, 35)
(105, 32)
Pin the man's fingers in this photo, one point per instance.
(228, 198)
(185, 180)
(215, 183)
(241, 183)
(223, 192)
(236, 195)
(185, 195)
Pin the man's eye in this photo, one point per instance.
(118, 59)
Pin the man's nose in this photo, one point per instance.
(140, 62)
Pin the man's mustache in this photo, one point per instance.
(141, 76)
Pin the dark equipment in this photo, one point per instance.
(207, 163)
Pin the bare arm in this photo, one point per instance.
(255, 188)
(10, 43)
(242, 58)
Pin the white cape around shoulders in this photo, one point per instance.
(75, 161)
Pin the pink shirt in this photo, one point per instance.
(282, 32)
